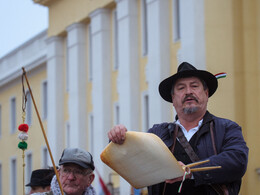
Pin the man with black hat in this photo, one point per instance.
(75, 173)
(40, 180)
(197, 135)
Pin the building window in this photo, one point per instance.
(116, 114)
(67, 134)
(28, 171)
(28, 111)
(176, 20)
(145, 112)
(45, 157)
(13, 176)
(91, 132)
(44, 99)
(13, 115)
(115, 40)
(144, 28)
(90, 57)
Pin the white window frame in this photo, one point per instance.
(176, 20)
(29, 169)
(13, 115)
(28, 110)
(13, 176)
(44, 99)
(144, 28)
(145, 111)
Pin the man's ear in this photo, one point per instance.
(207, 92)
(91, 178)
(172, 99)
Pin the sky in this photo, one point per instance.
(20, 20)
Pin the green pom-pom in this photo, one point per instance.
(22, 145)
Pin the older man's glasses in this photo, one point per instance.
(75, 172)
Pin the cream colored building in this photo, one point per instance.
(99, 64)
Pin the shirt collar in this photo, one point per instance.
(197, 127)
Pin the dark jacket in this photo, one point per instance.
(231, 148)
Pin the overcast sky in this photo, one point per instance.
(20, 20)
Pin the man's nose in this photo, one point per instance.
(71, 175)
(188, 90)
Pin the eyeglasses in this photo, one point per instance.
(76, 172)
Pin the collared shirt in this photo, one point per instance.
(191, 132)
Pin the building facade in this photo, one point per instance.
(99, 63)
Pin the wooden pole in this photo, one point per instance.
(43, 132)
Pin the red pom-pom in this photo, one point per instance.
(23, 127)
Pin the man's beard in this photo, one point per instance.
(190, 110)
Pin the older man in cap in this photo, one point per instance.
(197, 135)
(75, 173)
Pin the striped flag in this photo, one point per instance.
(221, 75)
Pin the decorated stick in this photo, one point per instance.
(43, 132)
(23, 145)
(188, 166)
(23, 135)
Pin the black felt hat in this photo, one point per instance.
(41, 177)
(187, 70)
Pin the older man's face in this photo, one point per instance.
(189, 96)
(75, 179)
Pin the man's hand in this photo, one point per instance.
(117, 134)
(188, 176)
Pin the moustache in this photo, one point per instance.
(189, 97)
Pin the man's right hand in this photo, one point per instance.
(117, 134)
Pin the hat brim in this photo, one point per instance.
(166, 85)
(41, 177)
(82, 164)
(31, 184)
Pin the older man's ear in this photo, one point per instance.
(91, 178)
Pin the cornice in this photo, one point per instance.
(44, 2)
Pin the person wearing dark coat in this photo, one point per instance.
(197, 135)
